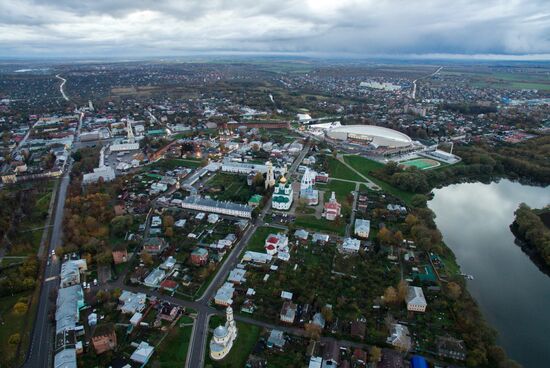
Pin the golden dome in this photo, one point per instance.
(283, 180)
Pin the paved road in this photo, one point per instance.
(61, 89)
(40, 352)
(41, 347)
(413, 93)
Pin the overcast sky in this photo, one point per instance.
(130, 28)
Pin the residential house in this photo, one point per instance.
(154, 279)
(276, 339)
(237, 276)
(288, 312)
(350, 245)
(399, 337)
(257, 257)
(104, 338)
(362, 228)
(224, 295)
(120, 255)
(199, 256)
(154, 245)
(448, 347)
(331, 354)
(132, 302)
(302, 235)
(142, 353)
(275, 243)
(358, 329)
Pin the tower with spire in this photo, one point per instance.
(270, 176)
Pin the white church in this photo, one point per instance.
(223, 337)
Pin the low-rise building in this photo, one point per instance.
(198, 203)
(351, 245)
(132, 302)
(448, 347)
(154, 278)
(224, 295)
(143, 353)
(257, 257)
(415, 299)
(288, 312)
(104, 338)
(199, 256)
(399, 337)
(154, 245)
(362, 228)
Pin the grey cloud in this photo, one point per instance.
(367, 27)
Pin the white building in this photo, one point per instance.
(224, 295)
(102, 171)
(362, 228)
(142, 353)
(283, 195)
(351, 245)
(132, 302)
(199, 203)
(415, 300)
(223, 337)
(70, 272)
(303, 118)
(257, 257)
(154, 279)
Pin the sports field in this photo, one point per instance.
(421, 163)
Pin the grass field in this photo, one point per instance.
(172, 163)
(247, 336)
(235, 188)
(312, 223)
(341, 171)
(421, 163)
(172, 352)
(366, 167)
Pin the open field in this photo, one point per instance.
(340, 171)
(366, 167)
(172, 352)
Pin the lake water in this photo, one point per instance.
(512, 293)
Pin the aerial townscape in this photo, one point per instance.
(276, 209)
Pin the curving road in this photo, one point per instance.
(63, 81)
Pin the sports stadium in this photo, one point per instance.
(378, 139)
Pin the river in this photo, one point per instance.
(512, 293)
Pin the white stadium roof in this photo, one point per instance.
(378, 136)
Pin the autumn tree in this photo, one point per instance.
(327, 313)
(384, 236)
(402, 290)
(20, 308)
(146, 258)
(313, 331)
(453, 290)
(390, 295)
(375, 354)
